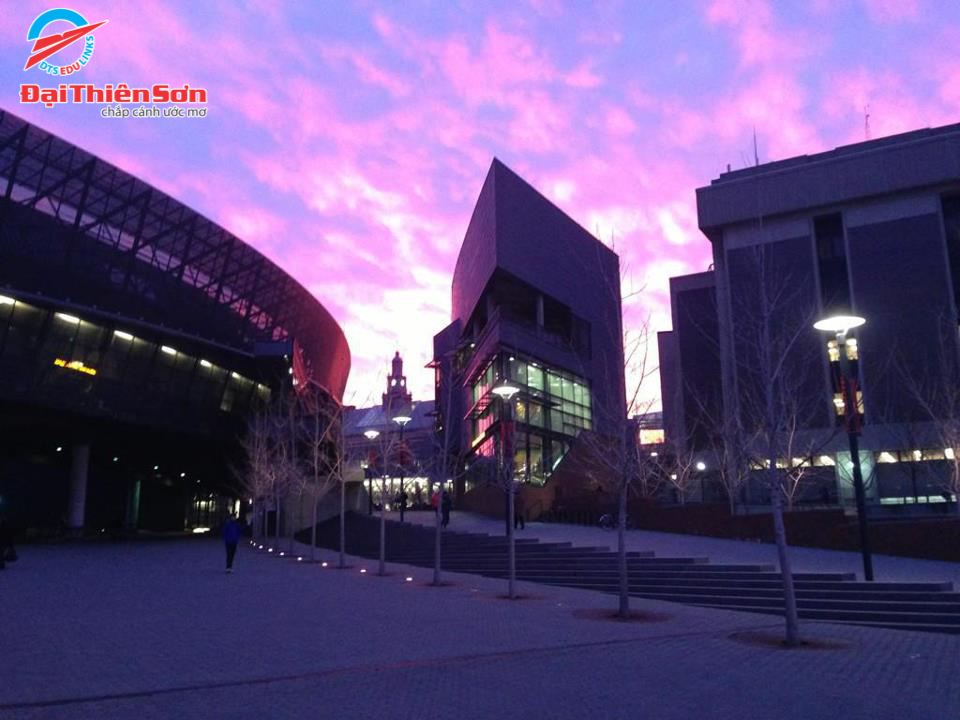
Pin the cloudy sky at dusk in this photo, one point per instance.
(348, 142)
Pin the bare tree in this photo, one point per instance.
(321, 438)
(779, 373)
(678, 463)
(256, 476)
(934, 393)
(620, 459)
(444, 466)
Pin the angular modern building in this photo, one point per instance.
(871, 229)
(536, 300)
(135, 336)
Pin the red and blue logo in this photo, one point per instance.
(47, 45)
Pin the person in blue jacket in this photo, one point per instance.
(231, 538)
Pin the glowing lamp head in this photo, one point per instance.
(701, 466)
(839, 323)
(371, 434)
(402, 419)
(505, 390)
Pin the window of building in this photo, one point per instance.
(950, 205)
(832, 263)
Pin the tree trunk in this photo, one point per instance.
(313, 528)
(343, 521)
(383, 532)
(276, 525)
(624, 609)
(511, 548)
(780, 534)
(438, 532)
(299, 522)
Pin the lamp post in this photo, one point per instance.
(370, 435)
(401, 420)
(505, 391)
(840, 325)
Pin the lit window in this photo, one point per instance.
(949, 454)
(650, 436)
(917, 455)
(838, 403)
(852, 352)
(832, 352)
(825, 461)
(886, 457)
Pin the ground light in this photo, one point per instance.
(363, 570)
(840, 325)
(323, 564)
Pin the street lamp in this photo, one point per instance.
(402, 421)
(505, 391)
(371, 435)
(840, 325)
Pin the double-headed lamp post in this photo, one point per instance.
(401, 420)
(840, 325)
(505, 391)
(370, 435)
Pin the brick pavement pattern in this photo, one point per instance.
(157, 630)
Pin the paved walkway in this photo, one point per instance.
(157, 630)
(886, 567)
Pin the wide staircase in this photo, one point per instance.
(826, 597)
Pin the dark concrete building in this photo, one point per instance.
(871, 229)
(136, 336)
(536, 299)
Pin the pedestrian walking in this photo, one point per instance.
(402, 499)
(445, 507)
(231, 538)
(8, 552)
(518, 510)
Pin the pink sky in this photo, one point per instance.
(349, 142)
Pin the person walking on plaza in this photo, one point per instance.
(8, 553)
(231, 538)
(518, 512)
(445, 509)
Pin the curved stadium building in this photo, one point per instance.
(135, 336)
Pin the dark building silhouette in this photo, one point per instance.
(536, 300)
(871, 229)
(135, 338)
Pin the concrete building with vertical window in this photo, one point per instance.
(536, 300)
(135, 338)
(871, 229)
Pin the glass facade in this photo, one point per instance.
(552, 407)
(78, 364)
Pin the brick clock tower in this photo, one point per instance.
(396, 396)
